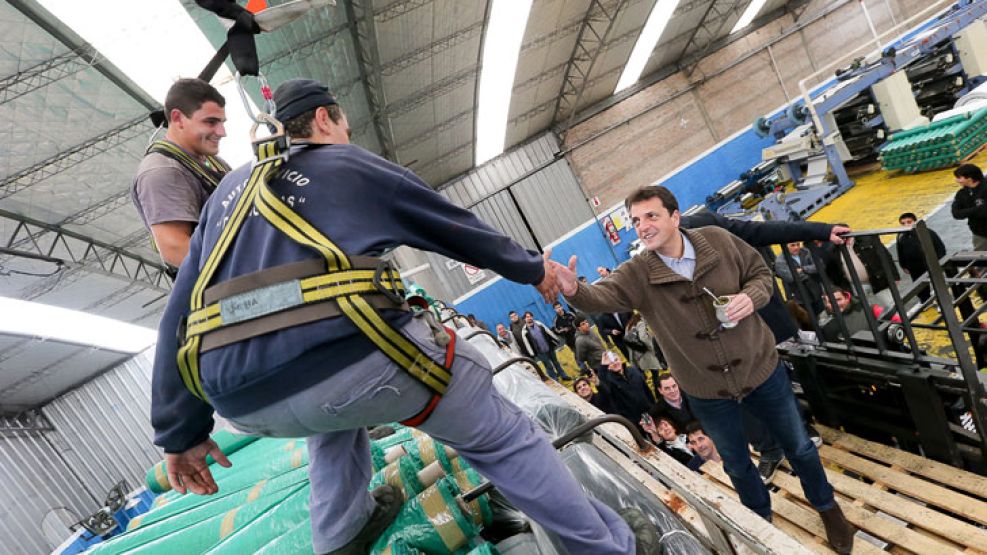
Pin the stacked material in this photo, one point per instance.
(943, 143)
(263, 501)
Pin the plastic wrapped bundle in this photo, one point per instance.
(432, 522)
(193, 532)
(402, 473)
(228, 442)
(400, 547)
(278, 521)
(611, 484)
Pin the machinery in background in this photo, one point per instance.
(851, 117)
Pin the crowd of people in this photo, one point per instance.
(704, 382)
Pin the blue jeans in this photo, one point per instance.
(487, 430)
(773, 402)
(552, 365)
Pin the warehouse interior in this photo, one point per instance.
(836, 111)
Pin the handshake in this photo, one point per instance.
(558, 279)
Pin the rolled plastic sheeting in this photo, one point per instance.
(976, 95)
(599, 476)
(228, 442)
(193, 535)
(275, 523)
(432, 522)
(403, 474)
(972, 106)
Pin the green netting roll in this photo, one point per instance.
(479, 508)
(377, 456)
(191, 533)
(280, 520)
(403, 435)
(224, 499)
(229, 443)
(261, 460)
(400, 547)
(402, 473)
(296, 540)
(431, 522)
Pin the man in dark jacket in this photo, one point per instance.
(539, 342)
(589, 350)
(623, 388)
(970, 203)
(612, 325)
(910, 255)
(565, 326)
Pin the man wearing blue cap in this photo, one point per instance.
(327, 379)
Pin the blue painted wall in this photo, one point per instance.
(592, 249)
(722, 165)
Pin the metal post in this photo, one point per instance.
(975, 389)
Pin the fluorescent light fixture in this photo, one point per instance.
(749, 14)
(154, 43)
(646, 42)
(501, 48)
(26, 318)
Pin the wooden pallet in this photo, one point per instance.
(913, 504)
(974, 154)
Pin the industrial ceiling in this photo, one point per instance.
(74, 127)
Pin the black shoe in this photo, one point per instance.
(839, 532)
(646, 538)
(766, 468)
(389, 500)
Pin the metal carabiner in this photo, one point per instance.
(270, 108)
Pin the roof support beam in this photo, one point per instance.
(47, 72)
(439, 88)
(592, 39)
(29, 238)
(714, 22)
(364, 31)
(441, 45)
(139, 126)
(28, 422)
(298, 52)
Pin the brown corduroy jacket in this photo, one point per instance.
(706, 361)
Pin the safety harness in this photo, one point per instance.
(209, 174)
(292, 294)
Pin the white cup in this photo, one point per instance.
(720, 305)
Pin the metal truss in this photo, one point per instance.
(28, 238)
(29, 421)
(445, 157)
(100, 209)
(399, 8)
(550, 103)
(74, 156)
(438, 129)
(593, 37)
(297, 52)
(441, 45)
(710, 28)
(429, 93)
(364, 32)
(47, 72)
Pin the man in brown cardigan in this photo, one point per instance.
(718, 368)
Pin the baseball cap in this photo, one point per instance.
(297, 96)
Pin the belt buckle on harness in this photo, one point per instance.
(384, 268)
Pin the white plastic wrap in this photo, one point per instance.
(597, 473)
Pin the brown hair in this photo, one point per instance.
(659, 192)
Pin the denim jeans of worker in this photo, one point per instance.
(761, 439)
(489, 432)
(552, 365)
(773, 403)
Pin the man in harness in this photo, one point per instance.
(179, 172)
(288, 325)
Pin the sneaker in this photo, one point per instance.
(814, 435)
(389, 501)
(839, 532)
(766, 468)
(646, 539)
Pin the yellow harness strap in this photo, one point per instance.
(271, 154)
